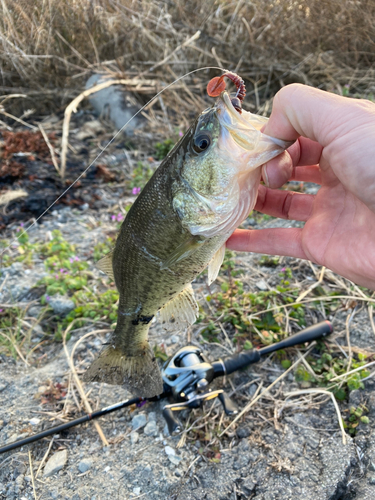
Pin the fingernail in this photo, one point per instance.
(265, 176)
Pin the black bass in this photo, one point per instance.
(206, 186)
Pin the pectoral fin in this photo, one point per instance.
(105, 264)
(181, 252)
(215, 264)
(181, 311)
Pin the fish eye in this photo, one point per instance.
(201, 143)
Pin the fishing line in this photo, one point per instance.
(105, 148)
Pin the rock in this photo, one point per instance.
(134, 436)
(262, 285)
(61, 305)
(243, 432)
(151, 429)
(175, 339)
(139, 421)
(34, 421)
(84, 465)
(174, 459)
(34, 311)
(55, 463)
(152, 416)
(169, 451)
(114, 104)
(136, 491)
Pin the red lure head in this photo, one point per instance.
(216, 86)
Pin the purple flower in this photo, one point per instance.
(22, 224)
(120, 217)
(76, 258)
(1, 310)
(136, 190)
(347, 86)
(54, 263)
(180, 133)
(48, 298)
(62, 270)
(283, 270)
(113, 217)
(71, 259)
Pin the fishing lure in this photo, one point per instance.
(217, 85)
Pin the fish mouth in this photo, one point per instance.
(243, 127)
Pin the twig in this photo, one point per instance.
(370, 310)
(79, 386)
(51, 150)
(3, 112)
(255, 399)
(352, 371)
(314, 285)
(32, 475)
(316, 299)
(44, 458)
(330, 394)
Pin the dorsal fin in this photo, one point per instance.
(105, 264)
(180, 312)
(215, 264)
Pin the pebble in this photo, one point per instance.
(55, 463)
(34, 311)
(152, 416)
(175, 339)
(139, 421)
(34, 421)
(243, 432)
(262, 285)
(174, 459)
(134, 436)
(151, 429)
(61, 305)
(169, 451)
(84, 465)
(136, 491)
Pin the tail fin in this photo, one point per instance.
(139, 373)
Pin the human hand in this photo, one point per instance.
(335, 148)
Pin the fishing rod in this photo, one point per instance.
(186, 377)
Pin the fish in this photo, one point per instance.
(178, 225)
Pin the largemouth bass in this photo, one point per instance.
(206, 186)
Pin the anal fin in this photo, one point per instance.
(180, 312)
(105, 264)
(215, 264)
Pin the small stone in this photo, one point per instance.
(136, 491)
(55, 463)
(262, 285)
(372, 480)
(169, 451)
(243, 432)
(152, 416)
(35, 421)
(174, 459)
(61, 305)
(175, 339)
(107, 469)
(34, 311)
(139, 421)
(134, 436)
(84, 465)
(151, 429)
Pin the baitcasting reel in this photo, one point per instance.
(188, 374)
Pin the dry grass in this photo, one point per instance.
(49, 47)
